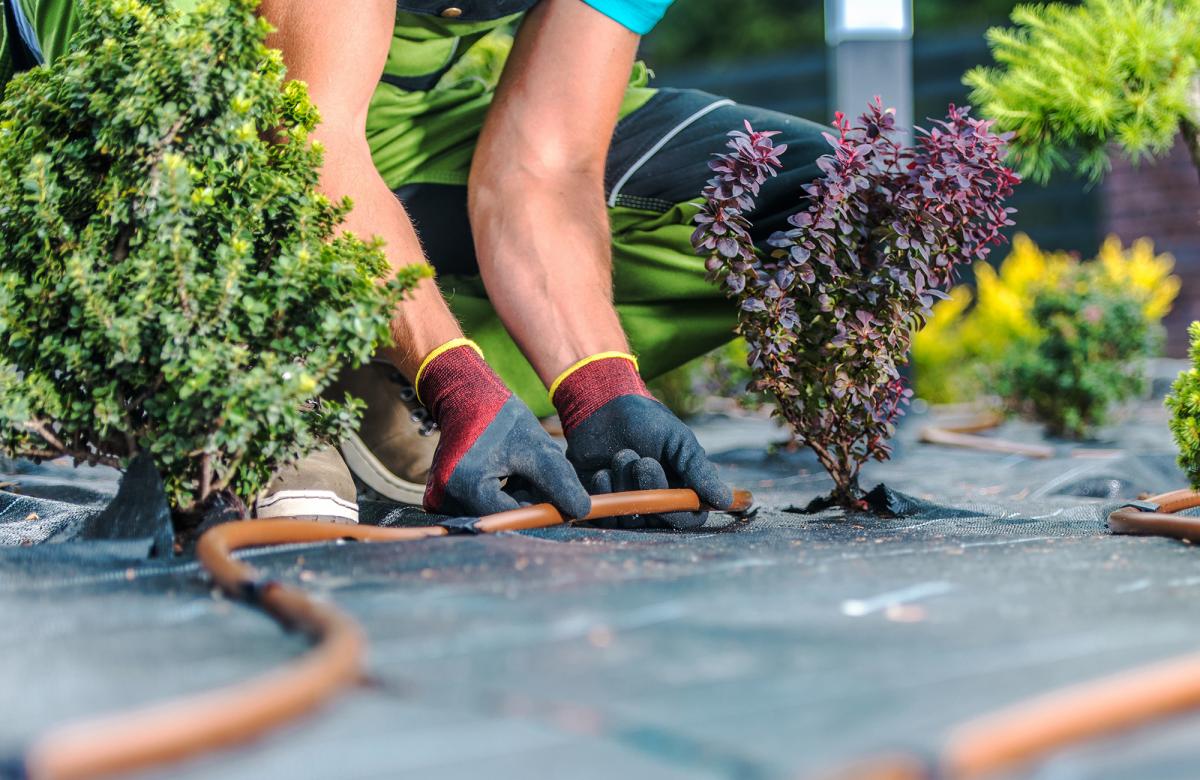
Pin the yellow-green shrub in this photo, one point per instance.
(970, 334)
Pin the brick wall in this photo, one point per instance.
(1161, 200)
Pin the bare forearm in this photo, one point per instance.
(544, 254)
(536, 193)
(422, 321)
(341, 72)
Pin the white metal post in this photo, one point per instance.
(870, 53)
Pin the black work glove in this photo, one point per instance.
(620, 438)
(488, 436)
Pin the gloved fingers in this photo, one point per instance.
(685, 458)
(650, 475)
(601, 482)
(487, 497)
(689, 461)
(632, 472)
(622, 469)
(556, 482)
(521, 490)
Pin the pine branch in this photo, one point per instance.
(1073, 81)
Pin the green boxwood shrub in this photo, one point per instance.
(171, 282)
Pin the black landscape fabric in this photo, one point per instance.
(768, 646)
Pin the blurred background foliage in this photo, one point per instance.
(975, 335)
(772, 54)
(734, 30)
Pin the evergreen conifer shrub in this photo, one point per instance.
(1073, 80)
(171, 282)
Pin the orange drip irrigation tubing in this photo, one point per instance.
(1002, 741)
(1031, 729)
(175, 730)
(1018, 735)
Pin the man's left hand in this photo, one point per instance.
(620, 438)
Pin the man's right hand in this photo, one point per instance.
(488, 436)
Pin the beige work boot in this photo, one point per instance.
(318, 487)
(392, 450)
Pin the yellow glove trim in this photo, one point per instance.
(586, 361)
(438, 352)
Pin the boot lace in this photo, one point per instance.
(418, 413)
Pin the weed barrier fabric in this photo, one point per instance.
(761, 647)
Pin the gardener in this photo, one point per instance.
(556, 210)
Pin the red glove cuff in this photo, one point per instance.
(463, 395)
(458, 382)
(583, 390)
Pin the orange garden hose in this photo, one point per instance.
(188, 726)
(1029, 730)
(997, 742)
(1032, 729)
(966, 435)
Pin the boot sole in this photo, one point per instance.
(364, 465)
(321, 505)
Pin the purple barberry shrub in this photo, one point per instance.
(829, 313)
